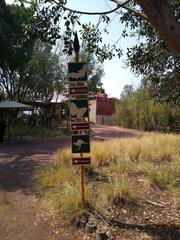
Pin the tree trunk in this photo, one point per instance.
(163, 19)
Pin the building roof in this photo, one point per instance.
(12, 104)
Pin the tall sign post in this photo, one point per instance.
(79, 115)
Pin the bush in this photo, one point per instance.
(140, 111)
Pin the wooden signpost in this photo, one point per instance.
(79, 114)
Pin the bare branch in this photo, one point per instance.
(128, 8)
(155, 203)
(120, 5)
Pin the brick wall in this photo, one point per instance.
(106, 106)
(101, 110)
(105, 120)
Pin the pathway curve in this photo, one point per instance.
(103, 132)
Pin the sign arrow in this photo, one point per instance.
(79, 126)
(75, 91)
(81, 161)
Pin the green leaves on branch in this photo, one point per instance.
(95, 72)
(93, 43)
(52, 22)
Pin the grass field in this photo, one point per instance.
(132, 180)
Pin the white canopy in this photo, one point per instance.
(12, 104)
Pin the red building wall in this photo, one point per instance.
(105, 105)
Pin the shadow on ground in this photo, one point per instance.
(20, 161)
(161, 231)
(18, 175)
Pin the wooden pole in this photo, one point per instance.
(77, 57)
(82, 182)
(82, 185)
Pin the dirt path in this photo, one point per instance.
(20, 214)
(102, 132)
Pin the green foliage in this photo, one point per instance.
(42, 75)
(16, 50)
(46, 72)
(14, 47)
(140, 111)
(152, 58)
(95, 72)
(27, 70)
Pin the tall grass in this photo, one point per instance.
(65, 202)
(116, 167)
(53, 177)
(118, 191)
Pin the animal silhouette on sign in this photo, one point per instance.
(76, 112)
(79, 143)
(79, 74)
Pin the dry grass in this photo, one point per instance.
(153, 158)
(65, 202)
(118, 191)
(55, 177)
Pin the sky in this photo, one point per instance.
(117, 75)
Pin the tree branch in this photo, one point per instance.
(155, 203)
(128, 8)
(92, 13)
(160, 15)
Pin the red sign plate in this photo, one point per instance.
(77, 126)
(81, 90)
(81, 161)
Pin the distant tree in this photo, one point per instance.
(46, 72)
(27, 70)
(95, 72)
(15, 50)
(157, 64)
(141, 111)
(127, 92)
(164, 88)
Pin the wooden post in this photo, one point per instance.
(82, 182)
(82, 185)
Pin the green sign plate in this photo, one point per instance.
(79, 109)
(80, 144)
(77, 72)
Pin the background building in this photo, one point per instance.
(102, 109)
